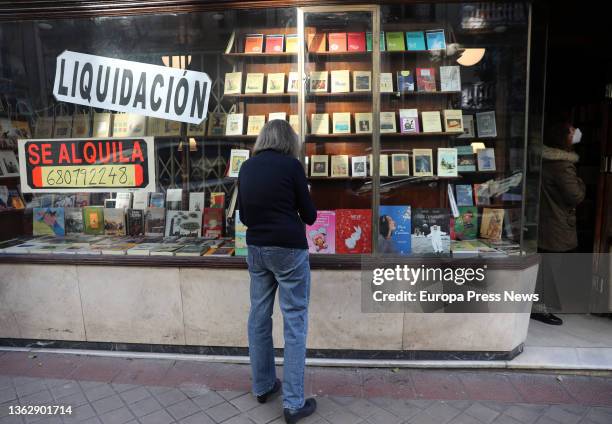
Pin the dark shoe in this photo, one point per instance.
(308, 409)
(263, 398)
(547, 319)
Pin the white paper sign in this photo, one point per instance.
(133, 87)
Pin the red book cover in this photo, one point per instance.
(253, 43)
(213, 222)
(354, 231)
(426, 79)
(217, 200)
(336, 41)
(275, 43)
(356, 42)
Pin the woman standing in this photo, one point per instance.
(274, 203)
(562, 190)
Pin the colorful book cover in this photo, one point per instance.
(415, 40)
(253, 43)
(354, 231)
(405, 81)
(395, 224)
(317, 42)
(114, 222)
(240, 236)
(466, 224)
(492, 223)
(134, 219)
(430, 231)
(395, 41)
(409, 120)
(465, 196)
(369, 41)
(93, 220)
(356, 42)
(321, 235)
(275, 43)
(435, 40)
(48, 222)
(291, 43)
(426, 79)
(213, 222)
(336, 41)
(217, 200)
(466, 161)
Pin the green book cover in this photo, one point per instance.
(369, 41)
(466, 224)
(93, 220)
(395, 41)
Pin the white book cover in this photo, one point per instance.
(295, 123)
(292, 83)
(234, 124)
(183, 223)
(277, 115)
(450, 78)
(386, 82)
(255, 124)
(447, 162)
(101, 124)
(254, 83)
(341, 122)
(384, 165)
(319, 166)
(318, 81)
(363, 122)
(174, 198)
(141, 200)
(233, 83)
(362, 81)
(409, 120)
(359, 166)
(453, 120)
(237, 158)
(123, 200)
(431, 121)
(136, 125)
(196, 201)
(319, 123)
(275, 83)
(340, 81)
(387, 122)
(339, 166)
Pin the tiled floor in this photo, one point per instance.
(118, 391)
(578, 331)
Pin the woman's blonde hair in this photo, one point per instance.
(279, 136)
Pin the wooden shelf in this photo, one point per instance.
(260, 96)
(332, 55)
(335, 137)
(340, 178)
(356, 94)
(420, 93)
(420, 134)
(441, 52)
(278, 57)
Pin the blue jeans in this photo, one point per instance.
(272, 267)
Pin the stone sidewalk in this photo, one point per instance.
(118, 390)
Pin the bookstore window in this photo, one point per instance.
(412, 117)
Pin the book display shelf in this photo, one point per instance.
(412, 118)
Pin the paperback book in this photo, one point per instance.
(339, 166)
(450, 78)
(240, 231)
(362, 80)
(213, 222)
(356, 42)
(492, 223)
(337, 41)
(415, 40)
(321, 235)
(447, 162)
(340, 81)
(466, 161)
(363, 122)
(409, 120)
(430, 231)
(183, 223)
(237, 158)
(422, 162)
(134, 219)
(154, 222)
(465, 196)
(466, 224)
(254, 83)
(93, 220)
(174, 199)
(405, 81)
(233, 83)
(114, 222)
(395, 230)
(426, 79)
(341, 122)
(48, 222)
(73, 220)
(400, 164)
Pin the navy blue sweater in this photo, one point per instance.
(274, 201)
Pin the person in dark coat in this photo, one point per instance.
(560, 193)
(274, 203)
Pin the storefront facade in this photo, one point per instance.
(417, 121)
